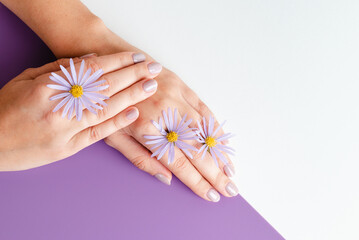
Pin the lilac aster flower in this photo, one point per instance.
(172, 135)
(211, 143)
(80, 91)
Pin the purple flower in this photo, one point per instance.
(80, 91)
(211, 143)
(172, 135)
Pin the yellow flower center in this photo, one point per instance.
(210, 142)
(172, 136)
(76, 91)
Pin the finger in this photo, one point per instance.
(97, 132)
(206, 162)
(227, 168)
(32, 73)
(181, 166)
(121, 100)
(139, 156)
(113, 62)
(106, 64)
(121, 79)
(193, 100)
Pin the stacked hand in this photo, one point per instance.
(35, 135)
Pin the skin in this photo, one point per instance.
(47, 137)
(46, 18)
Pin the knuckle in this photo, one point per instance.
(41, 89)
(94, 134)
(197, 155)
(140, 70)
(117, 122)
(133, 94)
(93, 64)
(218, 178)
(108, 82)
(50, 118)
(144, 126)
(62, 61)
(202, 108)
(140, 162)
(181, 163)
(102, 113)
(123, 58)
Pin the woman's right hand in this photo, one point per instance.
(31, 134)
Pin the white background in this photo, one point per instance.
(285, 75)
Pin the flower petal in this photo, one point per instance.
(96, 89)
(67, 74)
(85, 77)
(220, 155)
(166, 120)
(95, 84)
(81, 72)
(163, 151)
(87, 105)
(200, 129)
(224, 137)
(219, 127)
(213, 156)
(93, 77)
(58, 87)
(175, 120)
(171, 154)
(62, 103)
(204, 152)
(59, 79)
(205, 127)
(210, 125)
(170, 119)
(183, 145)
(60, 95)
(154, 141)
(71, 110)
(90, 98)
(73, 71)
(67, 107)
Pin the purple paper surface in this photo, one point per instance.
(98, 193)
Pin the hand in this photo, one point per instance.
(202, 176)
(35, 135)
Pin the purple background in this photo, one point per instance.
(98, 193)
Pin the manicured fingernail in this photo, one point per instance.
(213, 195)
(163, 179)
(150, 85)
(88, 55)
(132, 114)
(231, 189)
(229, 170)
(154, 67)
(138, 57)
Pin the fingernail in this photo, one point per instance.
(154, 67)
(132, 114)
(163, 179)
(231, 189)
(229, 170)
(213, 195)
(150, 85)
(138, 57)
(88, 55)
